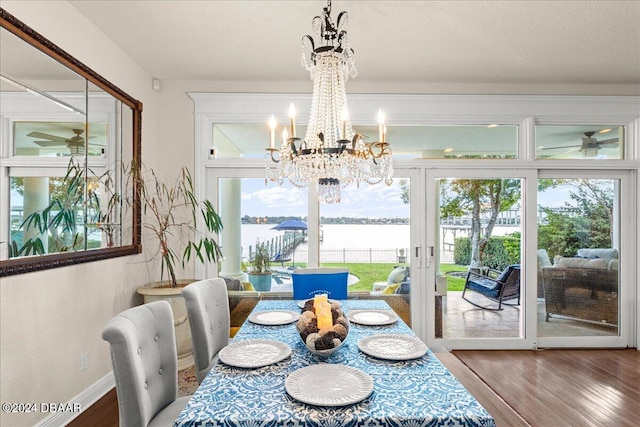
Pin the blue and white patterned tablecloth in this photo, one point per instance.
(414, 393)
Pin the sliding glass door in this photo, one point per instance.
(562, 234)
(476, 239)
(583, 223)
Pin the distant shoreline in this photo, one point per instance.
(252, 220)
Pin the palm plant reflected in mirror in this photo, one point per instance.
(56, 109)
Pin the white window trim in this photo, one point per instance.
(522, 110)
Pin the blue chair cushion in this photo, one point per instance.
(485, 286)
(488, 286)
(506, 272)
(404, 288)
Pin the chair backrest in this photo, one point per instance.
(308, 282)
(511, 280)
(144, 359)
(208, 309)
(507, 272)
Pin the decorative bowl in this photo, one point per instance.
(326, 342)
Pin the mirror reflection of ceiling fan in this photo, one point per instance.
(590, 145)
(75, 144)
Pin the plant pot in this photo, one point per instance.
(260, 282)
(162, 291)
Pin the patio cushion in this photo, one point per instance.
(506, 272)
(543, 259)
(485, 286)
(575, 262)
(397, 275)
(404, 288)
(606, 253)
(391, 289)
(488, 286)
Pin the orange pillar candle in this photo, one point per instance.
(319, 300)
(323, 314)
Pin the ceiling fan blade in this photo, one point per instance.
(609, 141)
(47, 136)
(50, 143)
(563, 146)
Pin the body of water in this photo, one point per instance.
(339, 236)
(356, 238)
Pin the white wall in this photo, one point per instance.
(49, 318)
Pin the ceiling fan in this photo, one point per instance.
(75, 144)
(590, 145)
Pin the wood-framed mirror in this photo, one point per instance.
(66, 134)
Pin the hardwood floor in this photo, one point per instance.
(549, 388)
(503, 414)
(563, 387)
(103, 413)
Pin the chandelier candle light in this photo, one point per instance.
(331, 154)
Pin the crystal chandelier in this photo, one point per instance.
(331, 155)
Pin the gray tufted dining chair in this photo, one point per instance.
(144, 359)
(208, 308)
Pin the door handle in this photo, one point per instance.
(416, 257)
(430, 255)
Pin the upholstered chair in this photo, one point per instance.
(496, 286)
(145, 362)
(308, 282)
(208, 308)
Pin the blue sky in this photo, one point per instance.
(368, 201)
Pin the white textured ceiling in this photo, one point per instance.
(475, 42)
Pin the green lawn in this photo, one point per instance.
(375, 272)
(367, 272)
(454, 283)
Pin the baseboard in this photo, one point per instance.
(87, 398)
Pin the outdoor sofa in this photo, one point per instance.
(584, 287)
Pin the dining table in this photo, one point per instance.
(413, 391)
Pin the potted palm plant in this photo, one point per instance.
(170, 214)
(260, 274)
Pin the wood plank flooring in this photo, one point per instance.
(550, 388)
(563, 387)
(103, 413)
(502, 413)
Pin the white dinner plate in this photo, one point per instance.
(326, 384)
(275, 317)
(254, 353)
(393, 346)
(372, 317)
(301, 303)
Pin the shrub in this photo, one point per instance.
(498, 254)
(462, 251)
